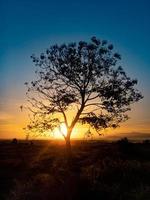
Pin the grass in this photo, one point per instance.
(100, 170)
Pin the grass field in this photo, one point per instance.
(100, 170)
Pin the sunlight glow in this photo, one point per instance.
(58, 132)
(63, 129)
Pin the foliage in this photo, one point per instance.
(86, 77)
(125, 145)
(14, 141)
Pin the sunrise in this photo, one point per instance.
(74, 100)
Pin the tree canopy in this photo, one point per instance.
(85, 77)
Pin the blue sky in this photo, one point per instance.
(29, 26)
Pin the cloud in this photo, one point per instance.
(5, 115)
(130, 135)
(6, 119)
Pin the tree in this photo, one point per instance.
(85, 77)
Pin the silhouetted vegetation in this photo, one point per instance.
(125, 145)
(14, 141)
(100, 170)
(146, 141)
(86, 77)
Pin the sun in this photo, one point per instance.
(60, 131)
(63, 129)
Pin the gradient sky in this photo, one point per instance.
(30, 26)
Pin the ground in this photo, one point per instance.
(99, 170)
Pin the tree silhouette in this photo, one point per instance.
(84, 77)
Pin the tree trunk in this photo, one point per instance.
(68, 150)
(68, 147)
(67, 138)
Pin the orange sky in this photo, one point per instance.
(12, 120)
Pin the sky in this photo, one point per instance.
(31, 26)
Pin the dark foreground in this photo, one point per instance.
(100, 170)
